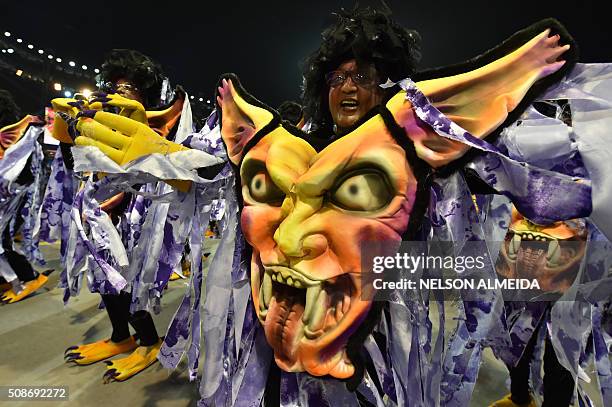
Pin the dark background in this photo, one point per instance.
(263, 42)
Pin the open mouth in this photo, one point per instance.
(349, 104)
(293, 307)
(531, 252)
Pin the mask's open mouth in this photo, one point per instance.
(530, 250)
(552, 260)
(293, 307)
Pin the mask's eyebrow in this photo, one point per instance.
(251, 166)
(370, 146)
(289, 158)
(325, 176)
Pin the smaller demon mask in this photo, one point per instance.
(551, 254)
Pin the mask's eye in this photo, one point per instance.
(262, 189)
(366, 191)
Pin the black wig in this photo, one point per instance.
(9, 112)
(367, 35)
(290, 111)
(140, 70)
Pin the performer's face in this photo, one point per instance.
(128, 90)
(350, 101)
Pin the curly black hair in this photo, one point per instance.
(139, 69)
(9, 111)
(290, 111)
(371, 37)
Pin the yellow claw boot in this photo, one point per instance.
(94, 352)
(186, 271)
(186, 267)
(122, 369)
(507, 402)
(10, 296)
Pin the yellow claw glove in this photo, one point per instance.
(129, 108)
(70, 107)
(124, 140)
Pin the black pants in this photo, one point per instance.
(558, 382)
(20, 265)
(118, 309)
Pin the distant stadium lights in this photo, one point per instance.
(57, 86)
(86, 92)
(67, 93)
(201, 99)
(41, 52)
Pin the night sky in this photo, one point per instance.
(264, 42)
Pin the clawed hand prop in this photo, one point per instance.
(122, 139)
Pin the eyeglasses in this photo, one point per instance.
(111, 87)
(359, 78)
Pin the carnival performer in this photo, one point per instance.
(385, 159)
(134, 85)
(20, 161)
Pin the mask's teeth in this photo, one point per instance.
(312, 293)
(339, 311)
(317, 319)
(554, 254)
(514, 245)
(346, 303)
(266, 289)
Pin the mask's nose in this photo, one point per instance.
(295, 236)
